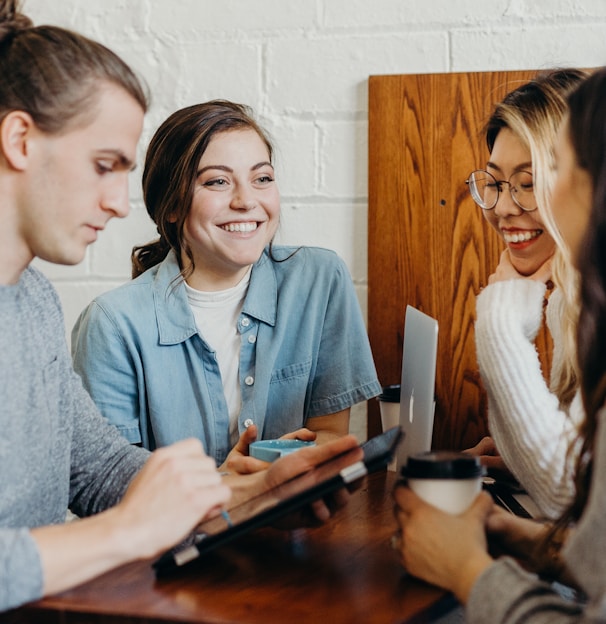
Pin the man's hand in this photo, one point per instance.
(177, 487)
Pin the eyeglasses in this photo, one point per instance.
(485, 189)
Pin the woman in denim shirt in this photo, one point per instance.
(222, 335)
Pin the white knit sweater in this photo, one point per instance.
(531, 431)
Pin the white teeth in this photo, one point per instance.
(240, 227)
(520, 237)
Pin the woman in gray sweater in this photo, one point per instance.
(574, 548)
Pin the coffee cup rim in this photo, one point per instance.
(390, 394)
(443, 465)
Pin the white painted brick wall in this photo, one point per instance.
(304, 65)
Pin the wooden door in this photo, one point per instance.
(429, 245)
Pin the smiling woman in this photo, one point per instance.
(532, 423)
(234, 213)
(503, 590)
(223, 335)
(513, 213)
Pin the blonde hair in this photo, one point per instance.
(534, 112)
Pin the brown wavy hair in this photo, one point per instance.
(586, 127)
(169, 176)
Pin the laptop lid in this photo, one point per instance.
(417, 393)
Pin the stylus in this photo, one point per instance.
(227, 519)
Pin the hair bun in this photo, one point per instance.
(12, 20)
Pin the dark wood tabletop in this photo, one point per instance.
(342, 572)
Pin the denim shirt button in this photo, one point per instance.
(245, 322)
(252, 339)
(249, 381)
(248, 422)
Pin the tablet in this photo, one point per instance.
(288, 497)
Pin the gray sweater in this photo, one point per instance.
(56, 450)
(505, 593)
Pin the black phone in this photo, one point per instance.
(265, 508)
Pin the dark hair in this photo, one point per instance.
(169, 176)
(587, 133)
(53, 73)
(586, 127)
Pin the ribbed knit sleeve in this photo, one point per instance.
(506, 594)
(530, 430)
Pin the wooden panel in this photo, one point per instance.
(429, 245)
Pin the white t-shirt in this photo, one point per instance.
(216, 314)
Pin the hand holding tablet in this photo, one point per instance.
(285, 498)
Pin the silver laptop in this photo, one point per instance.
(417, 393)
(417, 406)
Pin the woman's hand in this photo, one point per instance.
(321, 510)
(298, 463)
(446, 550)
(518, 537)
(506, 271)
(239, 460)
(486, 450)
(300, 434)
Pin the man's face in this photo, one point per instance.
(77, 181)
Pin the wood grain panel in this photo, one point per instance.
(429, 245)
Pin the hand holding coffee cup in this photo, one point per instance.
(447, 480)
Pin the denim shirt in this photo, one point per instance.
(304, 352)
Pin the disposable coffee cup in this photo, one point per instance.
(447, 480)
(389, 405)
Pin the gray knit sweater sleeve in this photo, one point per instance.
(56, 450)
(530, 429)
(506, 594)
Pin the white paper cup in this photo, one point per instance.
(447, 480)
(389, 405)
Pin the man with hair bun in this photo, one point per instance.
(65, 155)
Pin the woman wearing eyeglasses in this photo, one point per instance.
(531, 423)
(505, 590)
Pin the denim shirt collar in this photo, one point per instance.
(174, 316)
(261, 300)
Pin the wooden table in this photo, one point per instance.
(342, 572)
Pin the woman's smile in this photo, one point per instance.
(240, 226)
(520, 239)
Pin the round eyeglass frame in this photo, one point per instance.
(498, 184)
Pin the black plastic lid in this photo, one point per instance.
(443, 465)
(390, 394)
